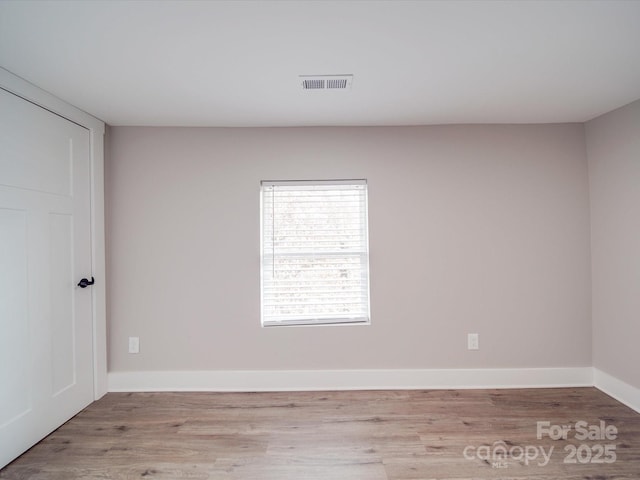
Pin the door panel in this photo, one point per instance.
(41, 165)
(14, 341)
(62, 312)
(46, 338)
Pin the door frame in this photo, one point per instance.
(18, 86)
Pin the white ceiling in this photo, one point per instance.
(236, 63)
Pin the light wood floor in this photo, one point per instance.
(371, 435)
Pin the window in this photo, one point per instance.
(315, 252)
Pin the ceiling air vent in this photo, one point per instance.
(326, 82)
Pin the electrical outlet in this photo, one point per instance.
(134, 344)
(473, 341)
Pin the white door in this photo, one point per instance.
(46, 352)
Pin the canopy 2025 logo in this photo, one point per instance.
(500, 453)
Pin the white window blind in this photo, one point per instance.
(315, 252)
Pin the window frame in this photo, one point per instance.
(363, 286)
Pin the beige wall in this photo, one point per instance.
(472, 229)
(613, 147)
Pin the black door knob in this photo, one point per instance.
(84, 283)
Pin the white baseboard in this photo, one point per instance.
(621, 391)
(308, 380)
